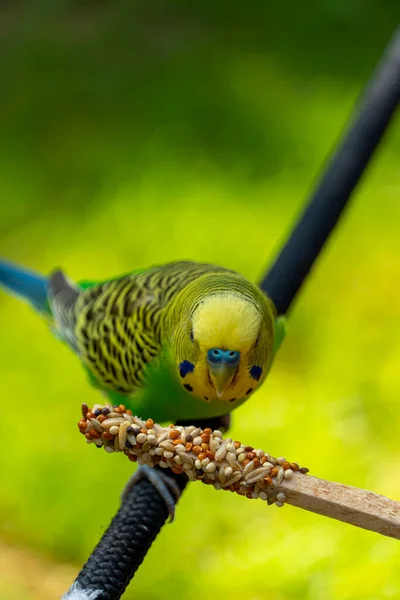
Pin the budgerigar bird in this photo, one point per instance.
(177, 342)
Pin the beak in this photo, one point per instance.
(221, 376)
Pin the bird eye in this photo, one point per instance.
(191, 336)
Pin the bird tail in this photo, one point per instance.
(26, 284)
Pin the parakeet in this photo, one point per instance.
(180, 341)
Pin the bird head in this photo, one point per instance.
(223, 342)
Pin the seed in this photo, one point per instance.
(82, 425)
(274, 471)
(263, 496)
(237, 444)
(231, 447)
(197, 463)
(246, 462)
(281, 497)
(167, 445)
(279, 504)
(202, 455)
(288, 474)
(222, 450)
(188, 446)
(268, 464)
(177, 441)
(228, 471)
(281, 460)
(196, 450)
(248, 469)
(256, 463)
(210, 455)
(108, 423)
(149, 423)
(294, 466)
(211, 467)
(218, 433)
(152, 439)
(197, 441)
(109, 449)
(232, 479)
(122, 434)
(178, 460)
(304, 470)
(268, 480)
(107, 436)
(241, 457)
(168, 454)
(214, 445)
(195, 433)
(233, 463)
(280, 475)
(256, 474)
(131, 439)
(189, 438)
(163, 436)
(251, 455)
(114, 430)
(141, 438)
(205, 461)
(84, 409)
(174, 434)
(186, 458)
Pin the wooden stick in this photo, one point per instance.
(345, 503)
(236, 467)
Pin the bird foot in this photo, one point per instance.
(166, 486)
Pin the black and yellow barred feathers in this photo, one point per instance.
(118, 327)
(145, 338)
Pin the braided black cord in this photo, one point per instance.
(381, 97)
(125, 543)
(137, 523)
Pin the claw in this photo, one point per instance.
(166, 486)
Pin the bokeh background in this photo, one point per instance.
(136, 132)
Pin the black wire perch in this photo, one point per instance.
(125, 543)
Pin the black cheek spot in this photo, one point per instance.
(185, 367)
(249, 391)
(188, 387)
(206, 398)
(256, 372)
(232, 400)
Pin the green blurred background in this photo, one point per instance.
(136, 132)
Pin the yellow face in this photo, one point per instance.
(225, 348)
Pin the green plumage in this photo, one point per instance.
(122, 330)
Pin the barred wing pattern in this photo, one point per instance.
(119, 324)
